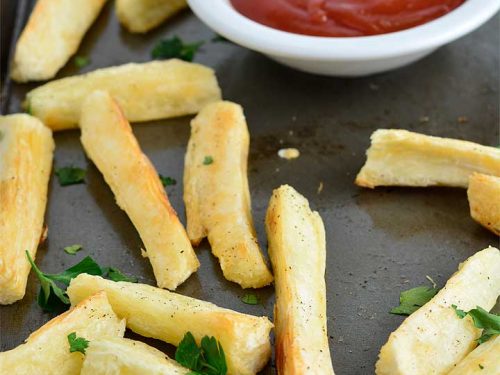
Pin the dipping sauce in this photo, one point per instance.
(344, 18)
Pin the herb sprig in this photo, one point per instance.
(208, 358)
(77, 344)
(413, 299)
(70, 175)
(167, 181)
(488, 322)
(175, 48)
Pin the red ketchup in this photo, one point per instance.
(342, 18)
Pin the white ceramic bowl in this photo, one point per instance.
(354, 56)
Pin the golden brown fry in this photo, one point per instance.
(51, 36)
(26, 149)
(46, 351)
(434, 339)
(149, 91)
(402, 158)
(140, 16)
(123, 356)
(484, 201)
(296, 238)
(217, 196)
(167, 316)
(108, 140)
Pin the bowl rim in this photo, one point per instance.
(228, 22)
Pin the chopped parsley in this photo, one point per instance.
(70, 175)
(208, 358)
(481, 366)
(77, 344)
(488, 322)
(208, 160)
(250, 299)
(81, 61)
(411, 300)
(73, 249)
(175, 48)
(167, 181)
(53, 298)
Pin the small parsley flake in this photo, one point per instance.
(73, 249)
(250, 299)
(167, 181)
(70, 175)
(175, 48)
(77, 344)
(208, 160)
(81, 61)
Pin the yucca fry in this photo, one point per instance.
(109, 142)
(26, 151)
(484, 360)
(217, 195)
(140, 16)
(434, 339)
(296, 238)
(123, 356)
(46, 351)
(484, 201)
(167, 316)
(148, 91)
(51, 36)
(402, 158)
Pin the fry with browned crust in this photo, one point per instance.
(140, 16)
(46, 351)
(484, 201)
(26, 149)
(402, 158)
(51, 36)
(167, 316)
(217, 196)
(296, 238)
(149, 91)
(109, 142)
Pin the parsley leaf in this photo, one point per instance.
(77, 344)
(81, 61)
(208, 160)
(73, 249)
(481, 366)
(70, 175)
(411, 300)
(115, 274)
(208, 359)
(167, 181)
(175, 48)
(250, 299)
(488, 322)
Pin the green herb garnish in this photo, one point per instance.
(250, 299)
(207, 359)
(208, 160)
(77, 344)
(73, 249)
(70, 175)
(411, 300)
(488, 322)
(114, 274)
(175, 48)
(481, 366)
(81, 61)
(167, 181)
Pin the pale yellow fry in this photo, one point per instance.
(484, 360)
(109, 142)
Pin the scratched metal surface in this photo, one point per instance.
(378, 241)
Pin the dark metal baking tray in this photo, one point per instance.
(379, 242)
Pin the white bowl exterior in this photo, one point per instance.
(355, 56)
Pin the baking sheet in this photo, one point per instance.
(379, 242)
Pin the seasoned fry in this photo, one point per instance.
(108, 140)
(484, 201)
(46, 351)
(51, 36)
(484, 360)
(402, 158)
(296, 238)
(217, 196)
(124, 356)
(26, 150)
(434, 339)
(167, 316)
(149, 91)
(140, 16)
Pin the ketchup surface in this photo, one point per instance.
(343, 18)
